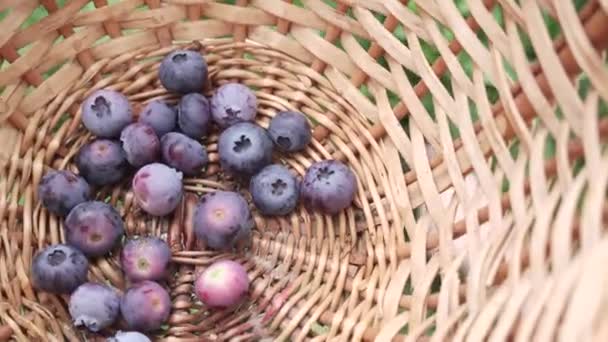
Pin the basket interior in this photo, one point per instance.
(476, 130)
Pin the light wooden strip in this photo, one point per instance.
(385, 39)
(539, 102)
(337, 19)
(438, 212)
(485, 19)
(291, 13)
(475, 150)
(489, 313)
(366, 63)
(512, 11)
(286, 44)
(237, 14)
(430, 7)
(11, 4)
(417, 111)
(28, 61)
(409, 20)
(200, 30)
(393, 127)
(604, 4)
(324, 50)
(105, 13)
(124, 44)
(153, 18)
(400, 190)
(50, 88)
(457, 72)
(391, 327)
(586, 56)
(372, 5)
(11, 97)
(8, 137)
(432, 81)
(54, 21)
(512, 112)
(545, 200)
(467, 38)
(71, 46)
(484, 109)
(352, 94)
(557, 77)
(10, 24)
(585, 309)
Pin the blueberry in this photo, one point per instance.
(222, 220)
(94, 228)
(145, 258)
(59, 269)
(274, 190)
(106, 112)
(145, 306)
(60, 191)
(233, 103)
(129, 336)
(183, 71)
(193, 117)
(328, 187)
(158, 189)
(161, 116)
(141, 144)
(102, 162)
(244, 149)
(94, 306)
(290, 131)
(223, 284)
(183, 153)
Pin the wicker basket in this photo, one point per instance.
(476, 128)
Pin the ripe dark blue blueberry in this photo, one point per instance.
(223, 284)
(141, 144)
(222, 220)
(59, 269)
(244, 148)
(129, 336)
(328, 187)
(183, 71)
(60, 191)
(145, 306)
(193, 116)
(158, 189)
(94, 228)
(160, 116)
(106, 112)
(232, 103)
(145, 258)
(102, 162)
(290, 131)
(94, 306)
(274, 190)
(183, 153)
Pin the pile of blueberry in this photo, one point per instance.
(161, 147)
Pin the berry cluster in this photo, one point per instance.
(159, 149)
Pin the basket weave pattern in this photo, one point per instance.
(465, 226)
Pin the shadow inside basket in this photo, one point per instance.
(290, 258)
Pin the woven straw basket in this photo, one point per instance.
(476, 129)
